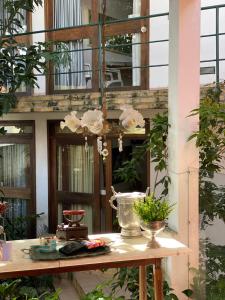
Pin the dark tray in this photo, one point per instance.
(35, 253)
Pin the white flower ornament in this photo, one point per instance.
(71, 121)
(131, 118)
(93, 120)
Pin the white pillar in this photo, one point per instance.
(184, 94)
(41, 142)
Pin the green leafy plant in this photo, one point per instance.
(156, 143)
(99, 294)
(211, 202)
(28, 288)
(152, 209)
(210, 138)
(18, 61)
(17, 228)
(129, 279)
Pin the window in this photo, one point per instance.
(17, 170)
(126, 43)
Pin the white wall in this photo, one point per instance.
(159, 52)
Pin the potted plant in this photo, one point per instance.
(153, 213)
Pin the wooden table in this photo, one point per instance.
(125, 253)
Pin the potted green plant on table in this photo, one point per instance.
(153, 214)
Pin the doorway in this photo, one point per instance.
(80, 179)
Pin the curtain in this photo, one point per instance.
(81, 177)
(14, 165)
(68, 13)
(81, 169)
(16, 208)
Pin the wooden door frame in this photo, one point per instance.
(97, 204)
(94, 200)
(30, 191)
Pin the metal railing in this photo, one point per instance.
(215, 60)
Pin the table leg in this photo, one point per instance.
(142, 283)
(158, 280)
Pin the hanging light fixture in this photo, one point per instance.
(94, 122)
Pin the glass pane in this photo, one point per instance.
(87, 220)
(75, 72)
(18, 129)
(123, 60)
(208, 48)
(78, 165)
(222, 18)
(222, 46)
(68, 13)
(14, 165)
(222, 70)
(208, 78)
(208, 21)
(121, 10)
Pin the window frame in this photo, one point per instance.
(91, 32)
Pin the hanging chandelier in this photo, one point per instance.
(94, 122)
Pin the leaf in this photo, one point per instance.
(188, 293)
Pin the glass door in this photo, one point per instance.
(17, 178)
(74, 177)
(75, 180)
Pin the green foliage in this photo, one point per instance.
(2, 131)
(120, 43)
(99, 294)
(210, 138)
(156, 143)
(28, 288)
(211, 202)
(18, 62)
(152, 209)
(17, 228)
(128, 278)
(128, 173)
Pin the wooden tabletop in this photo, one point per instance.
(125, 252)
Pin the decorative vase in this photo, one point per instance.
(154, 228)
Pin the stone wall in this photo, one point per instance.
(140, 99)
